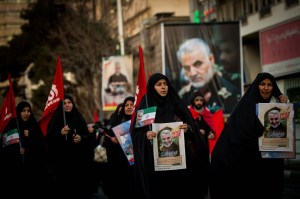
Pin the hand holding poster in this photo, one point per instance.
(278, 139)
(168, 146)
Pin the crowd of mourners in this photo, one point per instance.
(61, 164)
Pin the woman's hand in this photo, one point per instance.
(114, 140)
(26, 133)
(22, 150)
(202, 132)
(151, 135)
(211, 136)
(77, 138)
(65, 130)
(283, 99)
(184, 126)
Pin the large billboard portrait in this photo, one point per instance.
(116, 80)
(205, 57)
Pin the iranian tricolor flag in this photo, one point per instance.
(145, 116)
(10, 137)
(8, 125)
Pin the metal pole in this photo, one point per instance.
(120, 26)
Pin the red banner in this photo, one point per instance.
(55, 96)
(8, 108)
(141, 84)
(218, 122)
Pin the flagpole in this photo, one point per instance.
(64, 116)
(20, 138)
(18, 127)
(142, 63)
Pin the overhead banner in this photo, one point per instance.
(116, 80)
(204, 57)
(280, 52)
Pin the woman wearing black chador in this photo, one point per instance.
(67, 136)
(189, 182)
(237, 166)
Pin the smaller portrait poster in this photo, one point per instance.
(123, 135)
(278, 139)
(117, 73)
(168, 146)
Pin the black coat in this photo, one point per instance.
(236, 162)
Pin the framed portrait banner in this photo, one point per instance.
(204, 57)
(278, 139)
(168, 146)
(117, 72)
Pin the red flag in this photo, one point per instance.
(8, 109)
(218, 121)
(141, 84)
(96, 115)
(55, 96)
(8, 114)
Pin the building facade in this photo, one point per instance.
(10, 18)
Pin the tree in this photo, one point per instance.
(60, 28)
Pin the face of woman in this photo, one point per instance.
(68, 105)
(25, 114)
(265, 88)
(128, 109)
(161, 87)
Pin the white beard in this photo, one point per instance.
(208, 77)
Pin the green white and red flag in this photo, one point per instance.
(145, 116)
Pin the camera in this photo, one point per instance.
(100, 127)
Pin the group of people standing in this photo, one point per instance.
(236, 166)
(68, 149)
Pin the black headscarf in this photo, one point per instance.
(236, 154)
(31, 123)
(243, 122)
(74, 119)
(114, 115)
(34, 144)
(167, 106)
